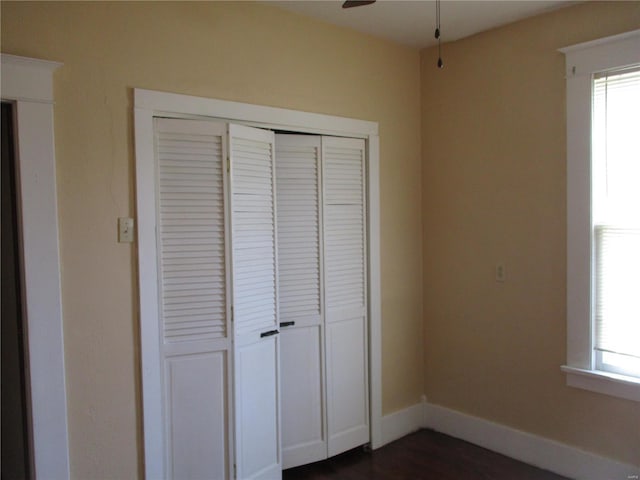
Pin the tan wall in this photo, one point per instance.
(235, 51)
(494, 191)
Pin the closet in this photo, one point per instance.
(259, 346)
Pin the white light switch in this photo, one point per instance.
(125, 230)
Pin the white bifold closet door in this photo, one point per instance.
(304, 429)
(216, 251)
(255, 303)
(194, 323)
(323, 303)
(343, 173)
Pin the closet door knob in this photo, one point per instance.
(287, 324)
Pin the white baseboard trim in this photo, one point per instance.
(403, 422)
(533, 449)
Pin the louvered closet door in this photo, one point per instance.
(299, 270)
(256, 373)
(345, 292)
(194, 327)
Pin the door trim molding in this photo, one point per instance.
(186, 106)
(28, 84)
(149, 103)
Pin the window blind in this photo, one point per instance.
(616, 211)
(618, 290)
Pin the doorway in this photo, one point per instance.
(16, 462)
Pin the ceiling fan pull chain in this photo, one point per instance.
(359, 3)
(440, 63)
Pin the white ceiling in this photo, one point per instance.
(412, 23)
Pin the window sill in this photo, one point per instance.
(603, 382)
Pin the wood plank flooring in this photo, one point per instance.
(424, 455)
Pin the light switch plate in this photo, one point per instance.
(125, 230)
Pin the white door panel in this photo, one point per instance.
(257, 410)
(347, 385)
(197, 407)
(303, 430)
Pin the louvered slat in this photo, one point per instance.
(191, 234)
(298, 231)
(344, 228)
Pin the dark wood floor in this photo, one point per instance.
(422, 455)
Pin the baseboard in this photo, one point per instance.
(403, 422)
(535, 450)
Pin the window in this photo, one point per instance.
(603, 215)
(615, 211)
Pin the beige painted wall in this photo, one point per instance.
(234, 51)
(494, 191)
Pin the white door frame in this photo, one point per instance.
(147, 104)
(27, 83)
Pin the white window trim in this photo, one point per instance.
(28, 84)
(147, 104)
(582, 61)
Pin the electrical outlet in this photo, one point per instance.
(501, 272)
(125, 230)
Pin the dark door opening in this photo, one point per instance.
(15, 431)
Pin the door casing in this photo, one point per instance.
(149, 104)
(27, 83)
